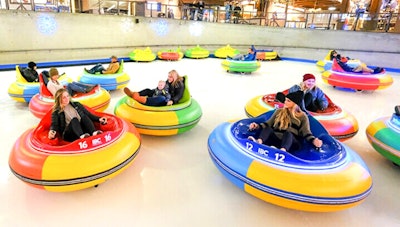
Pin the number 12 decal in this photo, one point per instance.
(279, 157)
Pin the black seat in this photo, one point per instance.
(21, 70)
(45, 77)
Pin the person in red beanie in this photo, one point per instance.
(314, 97)
(286, 127)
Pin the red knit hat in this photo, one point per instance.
(308, 76)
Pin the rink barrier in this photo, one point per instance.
(6, 67)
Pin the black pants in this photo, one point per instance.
(310, 104)
(288, 141)
(75, 128)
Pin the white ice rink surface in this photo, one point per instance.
(173, 181)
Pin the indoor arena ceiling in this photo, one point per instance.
(318, 4)
(307, 4)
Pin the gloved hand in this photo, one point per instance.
(52, 134)
(103, 120)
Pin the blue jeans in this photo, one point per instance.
(76, 87)
(156, 101)
(96, 69)
(238, 57)
(153, 101)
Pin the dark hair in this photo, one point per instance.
(31, 64)
(333, 52)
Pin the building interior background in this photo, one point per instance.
(363, 15)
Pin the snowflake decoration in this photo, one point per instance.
(196, 29)
(161, 27)
(46, 24)
(127, 25)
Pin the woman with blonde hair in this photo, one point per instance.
(287, 126)
(176, 87)
(71, 120)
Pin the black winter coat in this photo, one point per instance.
(58, 123)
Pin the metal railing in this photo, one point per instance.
(382, 22)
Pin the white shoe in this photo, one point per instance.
(98, 132)
(86, 135)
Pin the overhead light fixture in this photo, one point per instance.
(331, 8)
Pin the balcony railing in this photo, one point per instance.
(382, 22)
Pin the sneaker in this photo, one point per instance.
(397, 110)
(86, 135)
(90, 88)
(98, 132)
(128, 92)
(141, 99)
(378, 70)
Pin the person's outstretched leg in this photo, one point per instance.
(155, 101)
(268, 137)
(94, 69)
(309, 103)
(76, 88)
(98, 68)
(73, 131)
(136, 95)
(87, 125)
(128, 92)
(287, 141)
(236, 57)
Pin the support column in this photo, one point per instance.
(374, 11)
(344, 6)
(397, 26)
(374, 6)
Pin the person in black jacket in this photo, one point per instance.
(236, 13)
(286, 127)
(71, 120)
(176, 88)
(30, 73)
